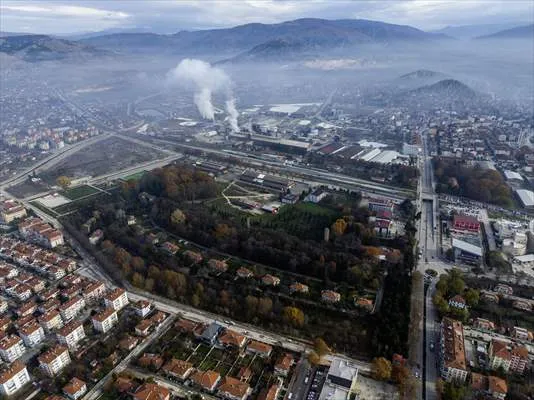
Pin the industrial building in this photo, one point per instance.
(265, 180)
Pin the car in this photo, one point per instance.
(431, 346)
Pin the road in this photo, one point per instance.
(52, 159)
(96, 391)
(429, 245)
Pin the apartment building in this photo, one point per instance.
(94, 292)
(105, 320)
(51, 320)
(116, 299)
(13, 378)
(11, 348)
(452, 351)
(71, 334)
(71, 308)
(54, 360)
(32, 334)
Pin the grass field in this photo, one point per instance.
(78, 192)
(134, 177)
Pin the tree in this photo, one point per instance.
(177, 217)
(108, 246)
(63, 181)
(138, 264)
(265, 306)
(453, 392)
(320, 347)
(339, 227)
(293, 316)
(314, 358)
(138, 280)
(381, 368)
(472, 297)
(195, 300)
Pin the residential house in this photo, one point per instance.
(193, 256)
(218, 265)
(231, 338)
(143, 328)
(128, 343)
(457, 302)
(178, 369)
(54, 360)
(329, 296)
(170, 248)
(148, 360)
(244, 273)
(211, 332)
(94, 292)
(283, 364)
(316, 196)
(298, 287)
(75, 389)
(142, 308)
(259, 348)
(270, 280)
(234, 389)
(270, 393)
(10, 210)
(510, 358)
(503, 289)
(497, 388)
(207, 380)
(483, 324)
(185, 325)
(151, 391)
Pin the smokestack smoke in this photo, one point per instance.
(207, 81)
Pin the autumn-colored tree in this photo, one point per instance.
(195, 300)
(314, 358)
(223, 231)
(108, 246)
(265, 306)
(63, 181)
(177, 217)
(153, 272)
(149, 284)
(138, 280)
(138, 264)
(339, 227)
(381, 369)
(122, 256)
(224, 298)
(320, 347)
(372, 251)
(251, 303)
(294, 316)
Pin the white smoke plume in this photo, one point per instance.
(207, 81)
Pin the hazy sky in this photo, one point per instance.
(68, 16)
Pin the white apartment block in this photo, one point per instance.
(13, 378)
(71, 334)
(32, 334)
(11, 348)
(51, 320)
(94, 291)
(3, 306)
(105, 320)
(116, 299)
(142, 308)
(54, 360)
(71, 308)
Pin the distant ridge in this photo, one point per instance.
(267, 39)
(34, 48)
(520, 32)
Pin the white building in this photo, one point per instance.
(71, 334)
(116, 299)
(142, 308)
(51, 320)
(340, 380)
(13, 378)
(75, 389)
(520, 333)
(71, 308)
(32, 334)
(11, 348)
(54, 360)
(94, 291)
(516, 245)
(105, 320)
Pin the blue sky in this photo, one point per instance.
(71, 16)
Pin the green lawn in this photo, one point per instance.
(78, 192)
(134, 177)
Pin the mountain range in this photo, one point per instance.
(475, 30)
(33, 48)
(298, 34)
(302, 38)
(519, 32)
